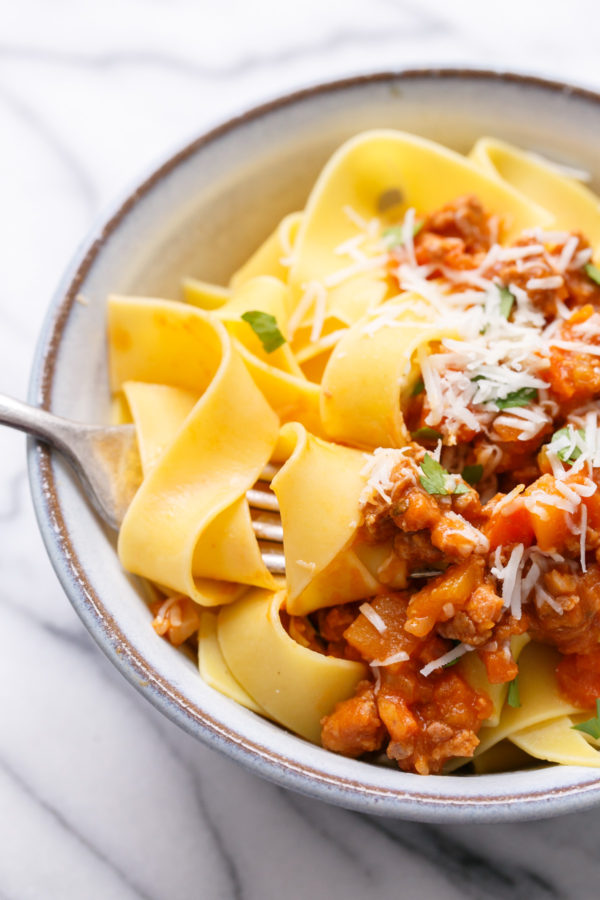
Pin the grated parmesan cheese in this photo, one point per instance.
(448, 657)
(374, 618)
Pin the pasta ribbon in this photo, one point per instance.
(190, 519)
(204, 295)
(318, 489)
(295, 685)
(474, 671)
(539, 697)
(380, 174)
(158, 412)
(272, 257)
(213, 668)
(571, 204)
(557, 741)
(371, 370)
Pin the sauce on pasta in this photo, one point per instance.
(418, 354)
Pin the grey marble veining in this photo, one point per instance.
(101, 797)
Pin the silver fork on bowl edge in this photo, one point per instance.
(106, 459)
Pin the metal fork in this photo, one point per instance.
(106, 459)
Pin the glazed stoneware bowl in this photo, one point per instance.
(201, 214)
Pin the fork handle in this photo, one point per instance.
(41, 424)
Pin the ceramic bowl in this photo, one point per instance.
(201, 214)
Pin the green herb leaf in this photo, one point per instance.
(426, 434)
(568, 454)
(516, 398)
(418, 388)
(394, 236)
(433, 477)
(591, 726)
(513, 699)
(264, 326)
(472, 474)
(592, 272)
(507, 299)
(461, 489)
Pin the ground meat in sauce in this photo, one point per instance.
(571, 623)
(456, 236)
(430, 720)
(578, 677)
(426, 528)
(519, 272)
(424, 721)
(354, 727)
(496, 655)
(574, 376)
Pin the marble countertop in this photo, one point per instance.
(100, 796)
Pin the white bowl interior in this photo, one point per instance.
(203, 217)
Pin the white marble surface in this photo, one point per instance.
(100, 797)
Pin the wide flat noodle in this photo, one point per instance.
(573, 206)
(203, 294)
(158, 412)
(213, 668)
(502, 757)
(474, 671)
(273, 256)
(379, 175)
(190, 518)
(318, 488)
(557, 741)
(296, 686)
(370, 371)
(269, 295)
(540, 699)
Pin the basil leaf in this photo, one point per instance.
(433, 477)
(592, 272)
(264, 326)
(591, 726)
(461, 489)
(394, 236)
(418, 388)
(472, 474)
(568, 454)
(516, 398)
(507, 299)
(426, 434)
(513, 699)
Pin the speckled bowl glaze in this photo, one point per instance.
(201, 214)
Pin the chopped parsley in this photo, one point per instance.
(507, 299)
(570, 452)
(516, 398)
(513, 699)
(591, 726)
(264, 326)
(394, 236)
(418, 388)
(472, 474)
(592, 272)
(434, 478)
(426, 434)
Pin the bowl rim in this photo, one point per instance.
(105, 630)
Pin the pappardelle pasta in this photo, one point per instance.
(416, 356)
